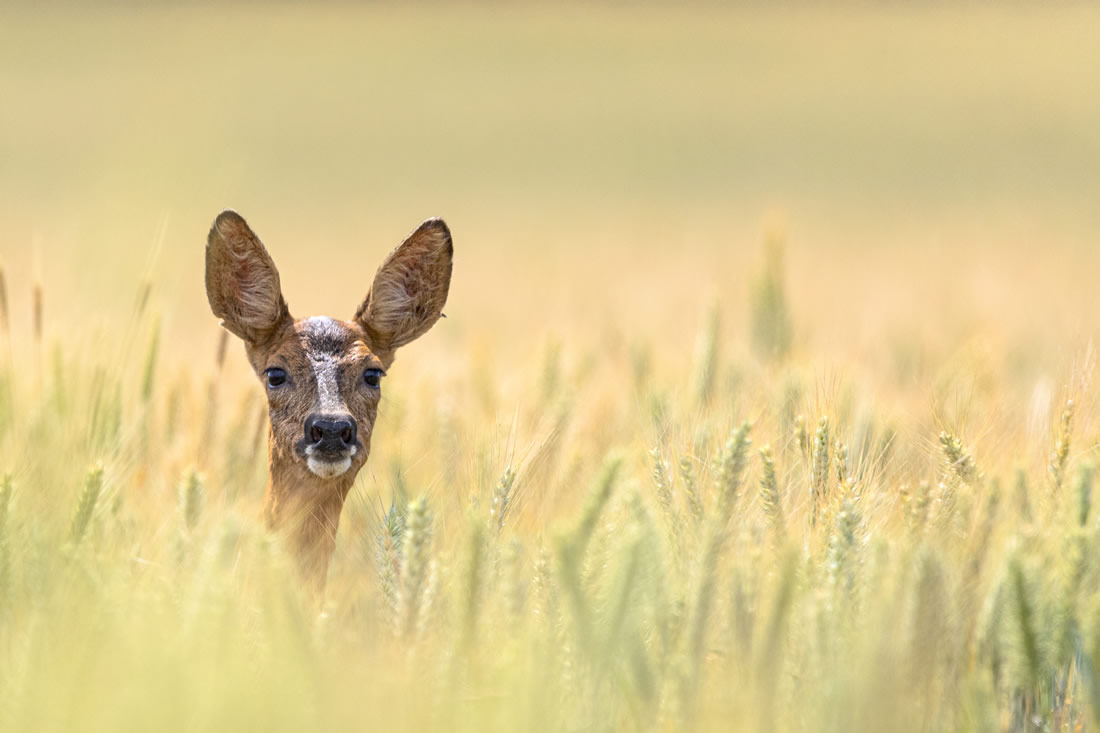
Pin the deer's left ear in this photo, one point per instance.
(410, 288)
(242, 283)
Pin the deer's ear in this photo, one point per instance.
(410, 288)
(242, 283)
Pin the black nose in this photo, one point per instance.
(330, 432)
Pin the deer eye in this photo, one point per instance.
(373, 377)
(275, 377)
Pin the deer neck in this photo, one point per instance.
(305, 510)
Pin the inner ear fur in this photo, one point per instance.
(410, 288)
(242, 282)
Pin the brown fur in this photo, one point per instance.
(405, 300)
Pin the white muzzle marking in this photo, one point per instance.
(328, 469)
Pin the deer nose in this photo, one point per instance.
(330, 431)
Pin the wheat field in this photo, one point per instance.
(766, 397)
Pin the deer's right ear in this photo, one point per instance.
(242, 283)
(410, 288)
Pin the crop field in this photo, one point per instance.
(766, 400)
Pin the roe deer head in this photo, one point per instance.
(322, 376)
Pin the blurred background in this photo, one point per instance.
(869, 229)
(615, 164)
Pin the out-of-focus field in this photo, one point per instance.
(869, 232)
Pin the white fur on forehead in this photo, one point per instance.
(410, 288)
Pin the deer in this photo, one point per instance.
(322, 376)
